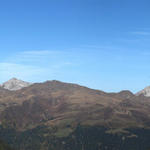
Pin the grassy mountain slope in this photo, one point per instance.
(46, 115)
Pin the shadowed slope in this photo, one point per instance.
(4, 146)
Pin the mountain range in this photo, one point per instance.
(62, 116)
(15, 84)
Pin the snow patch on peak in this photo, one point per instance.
(15, 84)
(145, 92)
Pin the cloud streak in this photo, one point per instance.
(9, 70)
(141, 33)
(34, 65)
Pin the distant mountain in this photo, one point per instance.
(62, 116)
(15, 84)
(145, 92)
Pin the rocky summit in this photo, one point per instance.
(15, 84)
(145, 92)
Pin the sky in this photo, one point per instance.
(101, 44)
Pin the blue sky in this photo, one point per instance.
(102, 44)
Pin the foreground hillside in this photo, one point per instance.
(62, 116)
(4, 146)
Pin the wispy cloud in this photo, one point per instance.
(34, 65)
(106, 47)
(35, 55)
(9, 70)
(40, 57)
(141, 33)
(41, 52)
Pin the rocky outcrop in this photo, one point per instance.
(145, 92)
(15, 84)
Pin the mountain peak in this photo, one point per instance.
(13, 79)
(15, 84)
(145, 92)
(126, 93)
